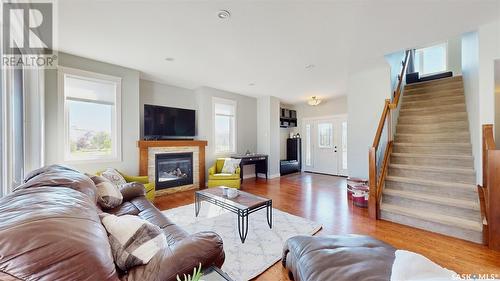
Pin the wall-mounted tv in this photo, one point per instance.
(162, 122)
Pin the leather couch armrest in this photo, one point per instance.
(132, 190)
(181, 258)
(202, 247)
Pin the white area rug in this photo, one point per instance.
(263, 246)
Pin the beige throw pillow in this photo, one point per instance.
(108, 194)
(133, 240)
(114, 176)
(230, 165)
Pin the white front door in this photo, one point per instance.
(325, 145)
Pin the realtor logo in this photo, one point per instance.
(27, 34)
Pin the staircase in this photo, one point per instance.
(431, 179)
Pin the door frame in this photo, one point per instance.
(303, 133)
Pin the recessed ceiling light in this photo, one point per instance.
(169, 59)
(309, 66)
(251, 84)
(223, 14)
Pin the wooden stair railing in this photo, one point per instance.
(377, 175)
(489, 193)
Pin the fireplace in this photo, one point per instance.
(173, 169)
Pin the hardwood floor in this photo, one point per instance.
(323, 199)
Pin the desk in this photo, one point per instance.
(260, 161)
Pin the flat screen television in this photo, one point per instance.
(162, 122)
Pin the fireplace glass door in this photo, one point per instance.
(173, 169)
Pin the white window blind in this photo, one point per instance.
(224, 126)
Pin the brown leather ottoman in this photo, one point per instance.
(338, 258)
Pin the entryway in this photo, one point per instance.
(325, 145)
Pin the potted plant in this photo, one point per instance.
(196, 275)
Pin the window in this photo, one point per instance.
(12, 129)
(17, 127)
(92, 119)
(224, 126)
(431, 59)
(325, 135)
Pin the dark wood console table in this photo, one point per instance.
(259, 160)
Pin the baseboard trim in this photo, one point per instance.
(262, 176)
(342, 176)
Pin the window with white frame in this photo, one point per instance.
(325, 135)
(224, 111)
(92, 115)
(431, 59)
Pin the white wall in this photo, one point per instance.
(489, 51)
(470, 74)
(201, 101)
(327, 107)
(263, 119)
(268, 133)
(130, 114)
(497, 101)
(455, 55)
(366, 92)
(246, 126)
(164, 95)
(480, 49)
(395, 65)
(274, 156)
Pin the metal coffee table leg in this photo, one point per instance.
(243, 225)
(197, 204)
(270, 214)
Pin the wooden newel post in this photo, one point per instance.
(372, 199)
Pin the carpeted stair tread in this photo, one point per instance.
(429, 198)
(444, 156)
(437, 144)
(445, 100)
(433, 217)
(437, 107)
(428, 182)
(436, 118)
(432, 168)
(434, 95)
(446, 80)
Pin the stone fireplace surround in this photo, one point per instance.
(148, 149)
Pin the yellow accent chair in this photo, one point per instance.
(149, 186)
(217, 178)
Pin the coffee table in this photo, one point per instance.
(214, 273)
(243, 205)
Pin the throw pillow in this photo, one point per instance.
(114, 176)
(133, 240)
(108, 194)
(230, 165)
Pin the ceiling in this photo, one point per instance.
(264, 43)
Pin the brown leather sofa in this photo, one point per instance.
(338, 258)
(50, 230)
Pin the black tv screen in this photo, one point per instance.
(168, 122)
